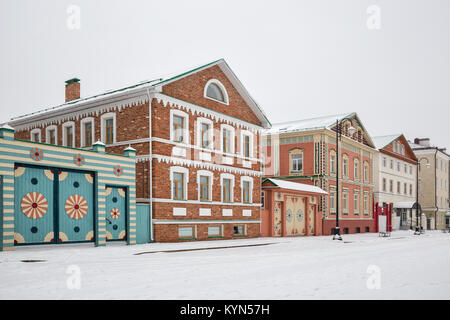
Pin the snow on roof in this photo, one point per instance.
(382, 141)
(154, 83)
(403, 205)
(306, 124)
(296, 186)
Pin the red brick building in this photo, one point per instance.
(197, 136)
(305, 151)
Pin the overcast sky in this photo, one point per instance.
(298, 59)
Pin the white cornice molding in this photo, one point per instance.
(202, 111)
(199, 164)
(207, 203)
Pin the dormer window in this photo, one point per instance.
(215, 90)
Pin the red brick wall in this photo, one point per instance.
(328, 224)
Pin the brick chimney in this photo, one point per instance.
(72, 89)
(425, 142)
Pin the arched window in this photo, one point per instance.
(215, 90)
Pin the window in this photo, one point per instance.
(186, 232)
(410, 189)
(178, 186)
(398, 166)
(297, 162)
(227, 186)
(51, 135)
(358, 230)
(215, 231)
(403, 150)
(345, 165)
(246, 186)
(108, 128)
(204, 135)
(366, 171)
(367, 229)
(238, 230)
(391, 164)
(391, 186)
(405, 188)
(398, 187)
(227, 138)
(204, 181)
(384, 184)
(345, 202)
(87, 132)
(246, 144)
(356, 169)
(406, 168)
(366, 202)
(395, 146)
(410, 169)
(384, 162)
(215, 90)
(204, 188)
(179, 178)
(35, 135)
(333, 162)
(356, 203)
(332, 201)
(68, 134)
(179, 124)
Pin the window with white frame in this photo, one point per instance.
(384, 162)
(410, 170)
(356, 202)
(366, 172)
(398, 166)
(227, 187)
(204, 133)
(51, 135)
(366, 202)
(215, 231)
(179, 178)
(186, 232)
(246, 144)
(36, 135)
(246, 189)
(204, 182)
(345, 165)
(332, 200)
(356, 169)
(87, 132)
(179, 126)
(68, 129)
(391, 162)
(108, 128)
(227, 138)
(345, 201)
(215, 90)
(332, 162)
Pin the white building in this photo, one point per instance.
(395, 168)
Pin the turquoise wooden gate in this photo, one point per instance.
(51, 201)
(116, 213)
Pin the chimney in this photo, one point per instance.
(425, 142)
(72, 89)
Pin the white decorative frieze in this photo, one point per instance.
(227, 212)
(246, 213)
(246, 164)
(178, 152)
(205, 212)
(179, 211)
(227, 160)
(204, 156)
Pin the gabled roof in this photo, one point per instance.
(325, 122)
(143, 87)
(382, 141)
(289, 185)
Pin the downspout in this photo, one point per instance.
(150, 207)
(435, 189)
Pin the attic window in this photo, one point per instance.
(215, 90)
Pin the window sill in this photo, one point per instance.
(215, 237)
(239, 235)
(186, 238)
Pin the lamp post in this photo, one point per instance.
(417, 205)
(351, 130)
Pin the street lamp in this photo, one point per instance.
(351, 130)
(417, 205)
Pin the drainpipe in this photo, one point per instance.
(435, 189)
(150, 207)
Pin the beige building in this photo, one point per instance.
(433, 183)
(395, 169)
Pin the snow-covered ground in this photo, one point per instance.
(363, 266)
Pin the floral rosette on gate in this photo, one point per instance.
(76, 207)
(34, 205)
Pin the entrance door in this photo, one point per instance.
(428, 224)
(76, 216)
(33, 208)
(116, 213)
